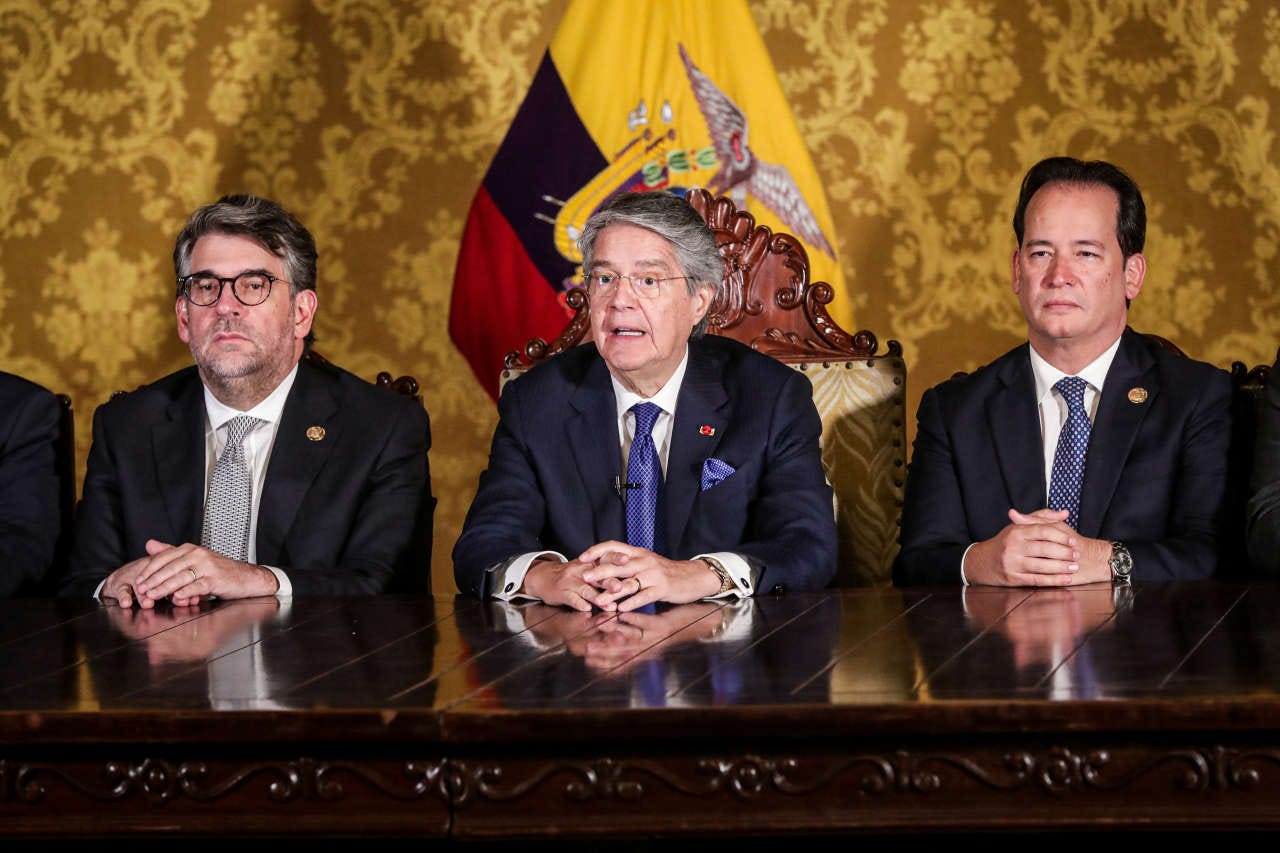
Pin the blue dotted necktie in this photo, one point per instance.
(230, 501)
(1073, 443)
(643, 472)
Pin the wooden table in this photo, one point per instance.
(870, 710)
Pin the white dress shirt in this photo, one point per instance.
(1053, 408)
(508, 581)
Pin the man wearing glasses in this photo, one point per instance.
(653, 464)
(255, 472)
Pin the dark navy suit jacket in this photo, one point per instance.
(30, 519)
(550, 484)
(348, 514)
(1155, 475)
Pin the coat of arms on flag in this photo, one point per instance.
(631, 95)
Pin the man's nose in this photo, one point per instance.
(1062, 272)
(227, 302)
(623, 294)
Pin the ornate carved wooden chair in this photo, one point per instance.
(767, 301)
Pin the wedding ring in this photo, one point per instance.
(194, 577)
(639, 586)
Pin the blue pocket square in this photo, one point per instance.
(713, 471)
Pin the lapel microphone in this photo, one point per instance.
(621, 488)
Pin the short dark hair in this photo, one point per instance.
(262, 221)
(1131, 213)
(673, 219)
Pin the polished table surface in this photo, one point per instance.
(1153, 706)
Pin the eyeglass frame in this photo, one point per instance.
(642, 292)
(184, 283)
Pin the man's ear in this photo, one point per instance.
(304, 312)
(180, 309)
(1135, 272)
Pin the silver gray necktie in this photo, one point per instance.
(227, 511)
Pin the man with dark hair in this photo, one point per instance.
(30, 517)
(295, 477)
(1091, 453)
(653, 464)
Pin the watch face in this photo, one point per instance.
(1121, 561)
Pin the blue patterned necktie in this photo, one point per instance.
(644, 477)
(1073, 443)
(230, 501)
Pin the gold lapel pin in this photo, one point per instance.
(316, 433)
(1137, 395)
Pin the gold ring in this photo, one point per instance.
(194, 577)
(639, 586)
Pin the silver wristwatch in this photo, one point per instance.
(1121, 563)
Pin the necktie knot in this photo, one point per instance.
(1072, 390)
(646, 416)
(238, 428)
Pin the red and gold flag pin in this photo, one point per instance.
(707, 429)
(315, 433)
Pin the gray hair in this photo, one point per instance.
(262, 221)
(673, 219)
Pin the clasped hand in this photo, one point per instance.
(184, 574)
(1037, 549)
(613, 575)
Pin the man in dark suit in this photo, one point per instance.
(30, 520)
(292, 475)
(741, 502)
(991, 493)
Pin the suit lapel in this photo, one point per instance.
(591, 441)
(1014, 422)
(178, 451)
(296, 460)
(700, 404)
(1115, 426)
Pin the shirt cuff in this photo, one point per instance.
(286, 588)
(508, 578)
(964, 580)
(739, 573)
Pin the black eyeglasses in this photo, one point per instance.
(251, 288)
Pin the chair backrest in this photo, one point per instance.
(1247, 386)
(767, 301)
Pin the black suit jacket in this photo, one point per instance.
(1155, 475)
(550, 484)
(30, 520)
(350, 513)
(1262, 516)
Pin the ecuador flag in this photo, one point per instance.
(631, 95)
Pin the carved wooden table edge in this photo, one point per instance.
(1204, 780)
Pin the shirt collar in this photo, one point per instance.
(1095, 372)
(268, 410)
(666, 396)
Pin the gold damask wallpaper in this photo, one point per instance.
(374, 120)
